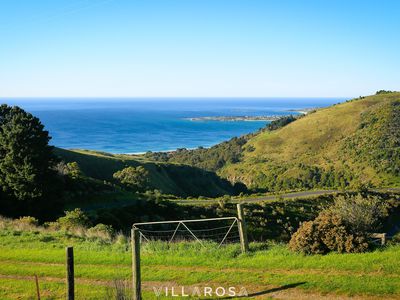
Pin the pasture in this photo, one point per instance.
(268, 271)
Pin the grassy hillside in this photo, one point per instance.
(270, 270)
(345, 145)
(180, 180)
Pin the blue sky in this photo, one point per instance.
(198, 48)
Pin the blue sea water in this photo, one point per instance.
(148, 124)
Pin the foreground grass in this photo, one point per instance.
(99, 264)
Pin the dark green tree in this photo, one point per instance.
(133, 178)
(27, 178)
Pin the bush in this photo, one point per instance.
(25, 223)
(380, 92)
(31, 221)
(52, 226)
(396, 238)
(121, 239)
(362, 214)
(70, 169)
(224, 201)
(73, 219)
(101, 231)
(326, 233)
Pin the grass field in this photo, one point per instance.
(269, 271)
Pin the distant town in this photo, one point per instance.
(250, 118)
(236, 118)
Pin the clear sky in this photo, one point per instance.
(198, 48)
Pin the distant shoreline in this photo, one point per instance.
(259, 118)
(165, 151)
(304, 111)
(237, 118)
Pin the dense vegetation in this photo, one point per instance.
(210, 159)
(273, 220)
(377, 139)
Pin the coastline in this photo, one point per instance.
(135, 128)
(166, 151)
(259, 118)
(268, 118)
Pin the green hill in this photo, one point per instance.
(174, 179)
(356, 143)
(349, 145)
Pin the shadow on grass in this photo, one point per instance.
(281, 288)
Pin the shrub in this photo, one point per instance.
(121, 239)
(326, 233)
(70, 169)
(4, 222)
(25, 223)
(101, 231)
(380, 92)
(362, 214)
(52, 226)
(31, 221)
(224, 201)
(396, 238)
(307, 240)
(73, 219)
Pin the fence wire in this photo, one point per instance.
(221, 231)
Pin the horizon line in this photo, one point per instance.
(170, 97)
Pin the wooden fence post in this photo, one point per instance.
(37, 287)
(136, 282)
(383, 240)
(381, 236)
(244, 244)
(70, 273)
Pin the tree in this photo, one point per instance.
(26, 161)
(70, 169)
(74, 218)
(133, 177)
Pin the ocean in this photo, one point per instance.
(137, 125)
